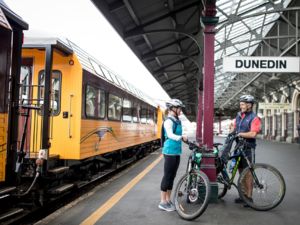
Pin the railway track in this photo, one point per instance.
(22, 212)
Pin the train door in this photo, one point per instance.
(5, 53)
(25, 100)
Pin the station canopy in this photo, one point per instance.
(163, 36)
(250, 28)
(168, 39)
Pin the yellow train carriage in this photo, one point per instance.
(94, 111)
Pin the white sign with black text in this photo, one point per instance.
(283, 106)
(261, 64)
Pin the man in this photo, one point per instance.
(171, 151)
(247, 125)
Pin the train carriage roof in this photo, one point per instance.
(42, 43)
(12, 16)
(88, 63)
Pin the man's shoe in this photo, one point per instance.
(248, 200)
(238, 200)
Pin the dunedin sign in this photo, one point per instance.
(261, 64)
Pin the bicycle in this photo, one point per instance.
(268, 185)
(192, 191)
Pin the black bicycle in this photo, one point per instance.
(261, 186)
(192, 191)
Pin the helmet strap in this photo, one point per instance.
(175, 112)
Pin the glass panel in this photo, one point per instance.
(123, 84)
(135, 112)
(127, 110)
(25, 81)
(155, 116)
(94, 102)
(96, 67)
(106, 73)
(101, 104)
(114, 107)
(114, 77)
(143, 113)
(90, 101)
(120, 82)
(55, 94)
(150, 117)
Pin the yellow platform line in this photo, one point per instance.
(94, 217)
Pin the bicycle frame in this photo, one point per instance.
(230, 179)
(194, 161)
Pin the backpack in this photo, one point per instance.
(163, 132)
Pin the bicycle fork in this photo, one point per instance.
(225, 178)
(251, 168)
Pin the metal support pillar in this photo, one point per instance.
(208, 79)
(209, 21)
(44, 152)
(199, 117)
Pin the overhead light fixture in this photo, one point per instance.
(274, 78)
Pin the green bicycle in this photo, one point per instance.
(260, 186)
(192, 191)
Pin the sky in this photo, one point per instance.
(83, 24)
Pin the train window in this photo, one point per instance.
(25, 81)
(127, 110)
(114, 107)
(94, 102)
(90, 101)
(135, 112)
(143, 115)
(155, 116)
(56, 91)
(101, 104)
(150, 116)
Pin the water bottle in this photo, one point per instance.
(232, 164)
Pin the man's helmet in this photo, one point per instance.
(174, 103)
(247, 99)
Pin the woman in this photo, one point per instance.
(171, 151)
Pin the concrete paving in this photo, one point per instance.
(139, 205)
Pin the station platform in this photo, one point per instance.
(132, 196)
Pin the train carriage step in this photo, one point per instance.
(4, 196)
(81, 184)
(59, 170)
(7, 190)
(125, 162)
(10, 213)
(60, 189)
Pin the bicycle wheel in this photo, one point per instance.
(222, 188)
(268, 193)
(192, 194)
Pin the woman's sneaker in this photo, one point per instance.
(172, 206)
(165, 206)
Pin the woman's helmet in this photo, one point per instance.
(247, 99)
(174, 103)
